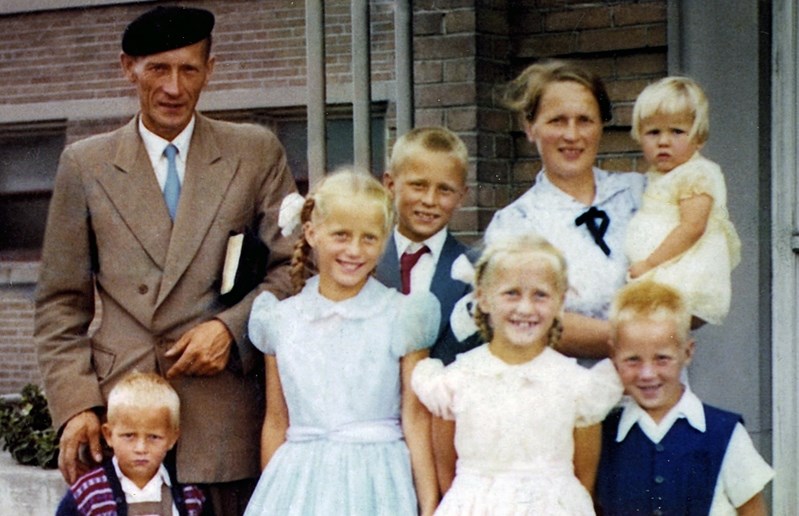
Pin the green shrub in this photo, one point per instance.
(27, 430)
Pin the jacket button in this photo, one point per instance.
(659, 479)
(143, 289)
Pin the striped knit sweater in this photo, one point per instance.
(99, 493)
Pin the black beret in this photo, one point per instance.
(166, 28)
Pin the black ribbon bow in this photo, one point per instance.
(590, 218)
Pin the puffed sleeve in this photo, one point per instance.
(418, 322)
(701, 177)
(598, 390)
(262, 328)
(431, 384)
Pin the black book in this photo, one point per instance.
(244, 268)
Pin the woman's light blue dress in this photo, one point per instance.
(339, 367)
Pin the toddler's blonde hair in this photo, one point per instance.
(431, 139)
(144, 391)
(651, 300)
(351, 185)
(673, 96)
(501, 252)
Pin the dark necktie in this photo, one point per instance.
(597, 230)
(172, 185)
(407, 261)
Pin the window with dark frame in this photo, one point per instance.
(291, 127)
(28, 161)
(29, 156)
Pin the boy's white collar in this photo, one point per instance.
(151, 492)
(689, 407)
(435, 243)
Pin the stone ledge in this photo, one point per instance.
(29, 489)
(18, 273)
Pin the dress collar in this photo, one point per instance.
(370, 301)
(605, 188)
(482, 362)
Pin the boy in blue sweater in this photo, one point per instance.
(666, 452)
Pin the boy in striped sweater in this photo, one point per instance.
(143, 424)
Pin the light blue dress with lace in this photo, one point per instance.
(339, 367)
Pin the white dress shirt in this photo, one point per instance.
(424, 270)
(155, 146)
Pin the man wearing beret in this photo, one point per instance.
(143, 215)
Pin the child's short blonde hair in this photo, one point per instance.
(431, 139)
(348, 184)
(651, 300)
(673, 96)
(507, 248)
(144, 390)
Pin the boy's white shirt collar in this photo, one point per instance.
(151, 492)
(689, 407)
(435, 243)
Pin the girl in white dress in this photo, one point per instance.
(682, 235)
(338, 361)
(516, 401)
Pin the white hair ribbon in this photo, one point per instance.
(290, 211)
(461, 320)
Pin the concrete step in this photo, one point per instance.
(29, 490)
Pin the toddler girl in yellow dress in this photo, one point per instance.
(682, 235)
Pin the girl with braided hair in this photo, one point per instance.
(343, 433)
(516, 401)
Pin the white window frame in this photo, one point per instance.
(785, 243)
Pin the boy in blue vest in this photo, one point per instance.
(665, 452)
(427, 177)
(143, 424)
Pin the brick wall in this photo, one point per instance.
(623, 42)
(463, 50)
(73, 54)
(17, 358)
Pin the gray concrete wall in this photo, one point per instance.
(718, 43)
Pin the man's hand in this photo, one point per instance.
(83, 429)
(203, 350)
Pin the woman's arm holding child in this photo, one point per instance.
(276, 421)
(694, 214)
(584, 336)
(416, 421)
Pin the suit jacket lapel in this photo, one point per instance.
(133, 189)
(205, 183)
(388, 269)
